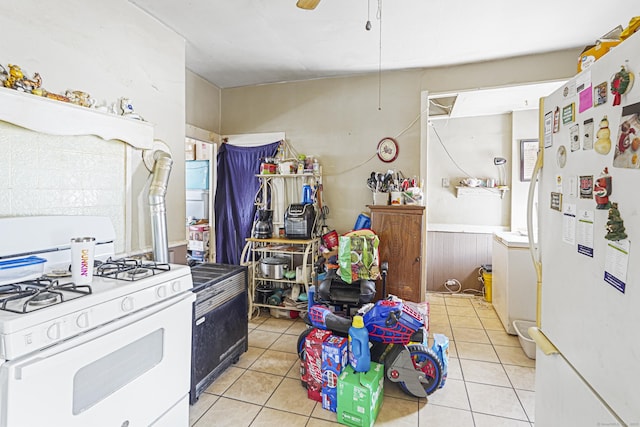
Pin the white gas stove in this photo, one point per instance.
(105, 343)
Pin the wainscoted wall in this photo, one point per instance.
(456, 255)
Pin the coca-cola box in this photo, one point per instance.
(313, 362)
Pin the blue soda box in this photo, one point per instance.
(335, 358)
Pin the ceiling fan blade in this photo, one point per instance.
(307, 4)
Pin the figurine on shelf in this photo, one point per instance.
(126, 108)
(15, 79)
(80, 98)
(3, 75)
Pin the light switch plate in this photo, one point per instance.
(445, 182)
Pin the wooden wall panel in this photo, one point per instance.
(456, 256)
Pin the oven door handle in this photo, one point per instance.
(28, 364)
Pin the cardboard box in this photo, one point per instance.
(189, 151)
(592, 53)
(334, 360)
(203, 150)
(360, 396)
(200, 256)
(313, 362)
(198, 238)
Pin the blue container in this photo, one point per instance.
(306, 194)
(363, 221)
(311, 296)
(197, 175)
(359, 353)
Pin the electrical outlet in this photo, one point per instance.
(445, 182)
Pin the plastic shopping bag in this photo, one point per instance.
(441, 348)
(358, 256)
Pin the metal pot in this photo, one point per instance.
(273, 267)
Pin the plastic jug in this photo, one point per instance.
(363, 221)
(306, 194)
(359, 354)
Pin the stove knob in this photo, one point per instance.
(161, 292)
(53, 331)
(127, 304)
(176, 286)
(83, 320)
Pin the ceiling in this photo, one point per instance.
(249, 42)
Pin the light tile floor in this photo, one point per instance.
(490, 381)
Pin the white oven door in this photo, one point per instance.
(126, 373)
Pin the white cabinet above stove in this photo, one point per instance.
(61, 118)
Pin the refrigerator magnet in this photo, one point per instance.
(561, 156)
(556, 120)
(556, 201)
(559, 183)
(548, 129)
(627, 147)
(621, 84)
(568, 113)
(603, 141)
(572, 186)
(600, 94)
(615, 224)
(574, 137)
(602, 190)
(586, 186)
(587, 142)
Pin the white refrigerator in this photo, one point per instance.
(588, 246)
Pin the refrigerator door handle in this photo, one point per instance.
(542, 341)
(533, 238)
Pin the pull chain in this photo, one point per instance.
(368, 24)
(379, 17)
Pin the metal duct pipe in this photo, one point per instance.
(157, 191)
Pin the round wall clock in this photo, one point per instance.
(388, 149)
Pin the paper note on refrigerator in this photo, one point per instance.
(569, 224)
(616, 263)
(585, 233)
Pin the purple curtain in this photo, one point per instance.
(235, 194)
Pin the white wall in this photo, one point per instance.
(460, 148)
(202, 103)
(338, 119)
(110, 50)
(524, 125)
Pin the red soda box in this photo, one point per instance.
(313, 362)
(334, 360)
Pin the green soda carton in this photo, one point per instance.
(360, 395)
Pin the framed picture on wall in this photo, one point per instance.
(528, 156)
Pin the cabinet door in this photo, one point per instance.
(400, 233)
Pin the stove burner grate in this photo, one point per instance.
(130, 269)
(37, 294)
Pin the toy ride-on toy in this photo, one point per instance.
(397, 335)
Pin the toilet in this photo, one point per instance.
(527, 344)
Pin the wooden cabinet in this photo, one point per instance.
(401, 233)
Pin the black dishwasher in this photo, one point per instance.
(220, 322)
